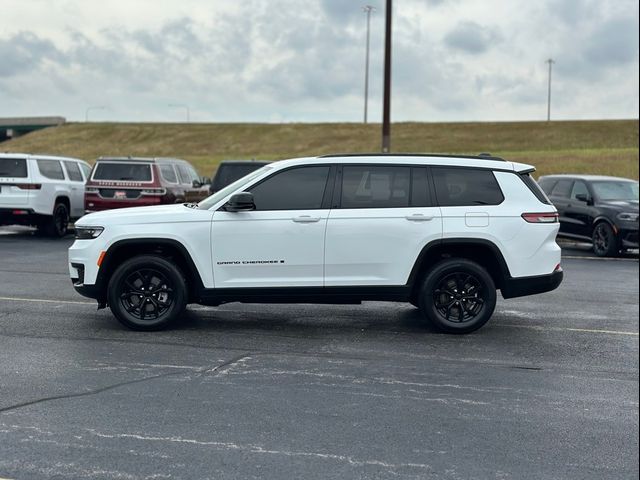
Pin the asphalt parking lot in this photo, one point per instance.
(547, 390)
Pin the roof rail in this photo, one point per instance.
(481, 156)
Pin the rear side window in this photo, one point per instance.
(13, 167)
(134, 172)
(458, 187)
(372, 186)
(184, 174)
(562, 189)
(535, 188)
(73, 171)
(168, 173)
(295, 189)
(51, 169)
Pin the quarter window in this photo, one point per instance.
(294, 189)
(457, 187)
(372, 186)
(51, 169)
(73, 171)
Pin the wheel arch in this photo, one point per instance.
(484, 252)
(166, 248)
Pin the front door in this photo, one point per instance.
(281, 242)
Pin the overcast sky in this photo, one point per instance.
(294, 60)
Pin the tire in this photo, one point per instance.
(57, 225)
(605, 243)
(457, 296)
(147, 293)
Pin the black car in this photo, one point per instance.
(602, 210)
(231, 170)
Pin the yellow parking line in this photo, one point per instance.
(44, 300)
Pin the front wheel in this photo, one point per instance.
(605, 243)
(147, 293)
(458, 296)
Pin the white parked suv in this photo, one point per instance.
(441, 232)
(42, 191)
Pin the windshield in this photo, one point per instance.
(138, 172)
(209, 202)
(611, 190)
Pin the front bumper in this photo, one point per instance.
(629, 238)
(520, 287)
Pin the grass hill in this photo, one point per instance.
(608, 147)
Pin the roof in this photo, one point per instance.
(593, 178)
(481, 156)
(42, 157)
(140, 159)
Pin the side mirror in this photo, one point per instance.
(196, 184)
(583, 197)
(240, 202)
(205, 181)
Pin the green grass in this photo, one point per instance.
(607, 147)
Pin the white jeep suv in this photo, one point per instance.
(441, 232)
(41, 191)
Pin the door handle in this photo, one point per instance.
(418, 217)
(306, 219)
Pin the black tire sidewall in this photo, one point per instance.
(433, 278)
(613, 249)
(174, 276)
(49, 227)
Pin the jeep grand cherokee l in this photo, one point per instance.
(443, 233)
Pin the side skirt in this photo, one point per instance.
(326, 295)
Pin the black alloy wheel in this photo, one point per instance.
(57, 226)
(147, 293)
(605, 243)
(458, 296)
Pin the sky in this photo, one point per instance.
(282, 61)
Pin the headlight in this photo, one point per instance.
(88, 233)
(628, 217)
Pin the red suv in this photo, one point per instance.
(137, 182)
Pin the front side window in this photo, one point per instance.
(294, 189)
(86, 169)
(372, 186)
(51, 169)
(183, 174)
(458, 187)
(73, 171)
(579, 188)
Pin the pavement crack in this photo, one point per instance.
(223, 367)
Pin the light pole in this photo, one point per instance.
(95, 107)
(367, 9)
(386, 102)
(550, 61)
(181, 105)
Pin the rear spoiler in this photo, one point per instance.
(523, 168)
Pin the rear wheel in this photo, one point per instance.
(458, 296)
(57, 225)
(147, 293)
(605, 243)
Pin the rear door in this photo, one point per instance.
(14, 182)
(76, 188)
(384, 215)
(560, 196)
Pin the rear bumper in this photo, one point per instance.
(520, 287)
(19, 216)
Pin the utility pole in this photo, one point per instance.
(367, 9)
(386, 103)
(550, 61)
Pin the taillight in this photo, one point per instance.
(29, 186)
(541, 217)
